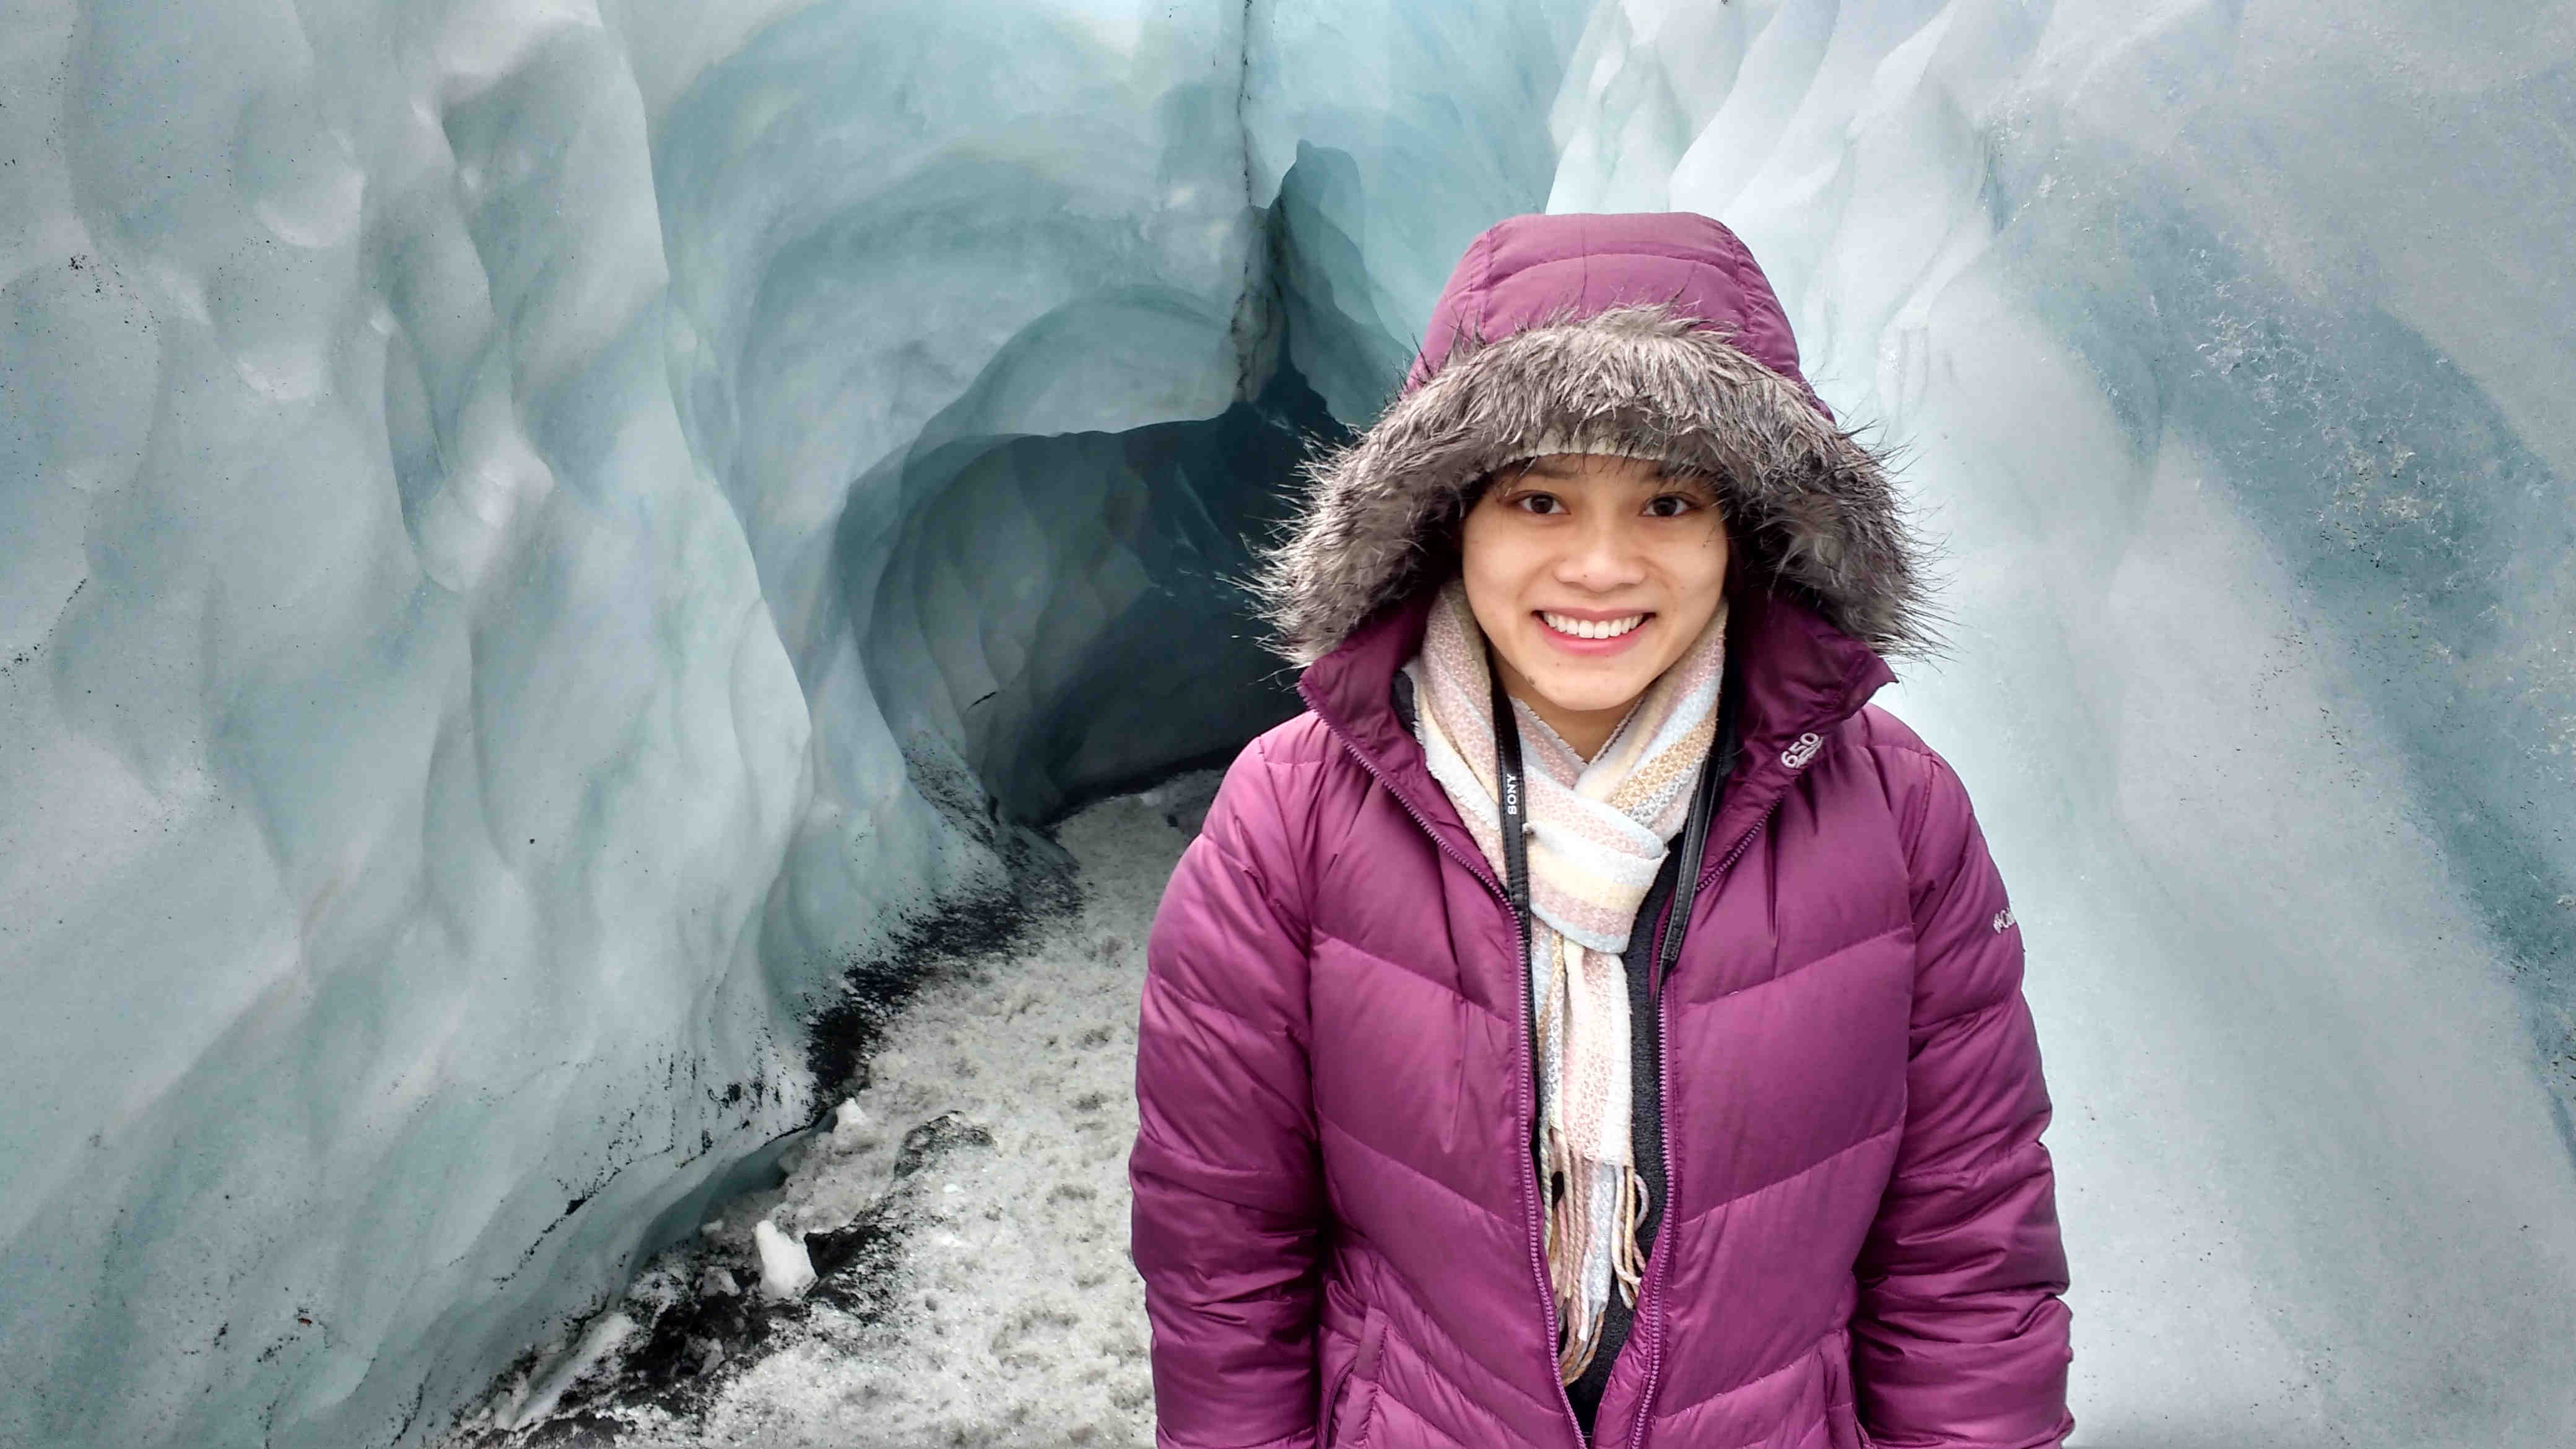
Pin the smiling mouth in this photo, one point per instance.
(1591, 628)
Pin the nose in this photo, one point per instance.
(1602, 554)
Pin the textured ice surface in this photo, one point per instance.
(395, 745)
(532, 534)
(460, 711)
(1390, 135)
(2227, 339)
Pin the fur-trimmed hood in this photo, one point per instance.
(1651, 334)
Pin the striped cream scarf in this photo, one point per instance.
(1597, 833)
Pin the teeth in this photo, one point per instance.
(1591, 628)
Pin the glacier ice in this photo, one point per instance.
(1037, 623)
(398, 745)
(785, 1269)
(459, 457)
(2222, 337)
(537, 533)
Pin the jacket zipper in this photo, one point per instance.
(1529, 1013)
(1659, 1258)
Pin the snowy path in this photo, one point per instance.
(968, 1216)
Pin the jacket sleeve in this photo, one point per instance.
(1229, 1202)
(1960, 1336)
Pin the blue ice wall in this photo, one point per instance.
(395, 744)
(2222, 339)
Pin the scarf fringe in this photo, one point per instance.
(1575, 1182)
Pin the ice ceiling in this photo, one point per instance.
(533, 534)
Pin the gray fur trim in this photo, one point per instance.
(1806, 503)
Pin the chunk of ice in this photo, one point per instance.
(785, 1270)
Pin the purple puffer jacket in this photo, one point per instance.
(1336, 1212)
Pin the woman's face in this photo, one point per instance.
(1591, 575)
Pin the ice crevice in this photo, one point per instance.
(557, 559)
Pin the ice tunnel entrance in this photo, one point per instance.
(1064, 616)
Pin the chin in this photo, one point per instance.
(1591, 692)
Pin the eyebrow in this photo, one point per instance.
(1545, 468)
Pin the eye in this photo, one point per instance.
(1670, 505)
(1540, 503)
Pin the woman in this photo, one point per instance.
(1652, 1071)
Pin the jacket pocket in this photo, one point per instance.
(1842, 1414)
(1354, 1397)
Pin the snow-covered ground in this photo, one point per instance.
(965, 1220)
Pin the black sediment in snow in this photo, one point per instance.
(964, 1217)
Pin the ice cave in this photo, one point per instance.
(609, 610)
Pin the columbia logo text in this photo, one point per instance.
(1801, 752)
